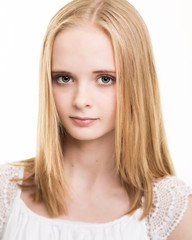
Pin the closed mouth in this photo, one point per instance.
(84, 118)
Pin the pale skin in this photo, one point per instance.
(88, 154)
(85, 94)
(86, 53)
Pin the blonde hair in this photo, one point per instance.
(141, 150)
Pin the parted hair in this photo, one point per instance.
(141, 150)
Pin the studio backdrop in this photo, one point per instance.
(22, 28)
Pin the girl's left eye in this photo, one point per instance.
(106, 80)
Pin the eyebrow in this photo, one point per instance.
(66, 72)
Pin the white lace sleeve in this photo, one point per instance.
(8, 191)
(169, 204)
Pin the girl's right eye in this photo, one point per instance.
(62, 79)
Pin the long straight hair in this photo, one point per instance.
(141, 149)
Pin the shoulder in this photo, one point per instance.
(8, 189)
(10, 170)
(170, 202)
(171, 189)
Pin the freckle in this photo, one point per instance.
(72, 165)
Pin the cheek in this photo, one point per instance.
(108, 104)
(114, 108)
(60, 100)
(114, 105)
(114, 100)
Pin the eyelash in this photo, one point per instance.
(56, 78)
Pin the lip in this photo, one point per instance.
(84, 118)
(83, 121)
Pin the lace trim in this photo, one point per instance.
(8, 191)
(169, 205)
(169, 202)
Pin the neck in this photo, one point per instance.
(91, 164)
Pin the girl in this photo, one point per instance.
(102, 168)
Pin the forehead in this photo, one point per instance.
(85, 46)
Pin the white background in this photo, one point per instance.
(22, 28)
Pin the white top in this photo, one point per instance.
(18, 222)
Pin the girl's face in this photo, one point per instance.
(83, 76)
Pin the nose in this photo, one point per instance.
(81, 97)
